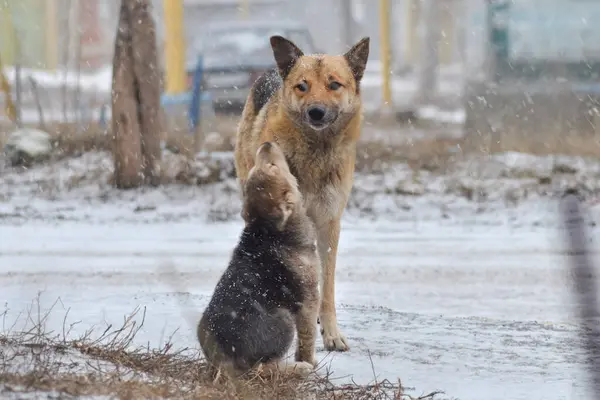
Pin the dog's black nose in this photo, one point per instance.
(317, 113)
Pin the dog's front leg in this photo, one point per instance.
(329, 235)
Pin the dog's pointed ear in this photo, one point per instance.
(286, 54)
(357, 58)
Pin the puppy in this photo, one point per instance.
(270, 288)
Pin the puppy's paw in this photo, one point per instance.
(311, 360)
(301, 369)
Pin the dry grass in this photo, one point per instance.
(375, 151)
(538, 144)
(36, 360)
(438, 152)
(71, 140)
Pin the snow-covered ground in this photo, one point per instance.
(454, 282)
(479, 311)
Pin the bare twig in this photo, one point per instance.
(38, 102)
(37, 360)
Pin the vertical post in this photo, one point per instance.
(244, 8)
(428, 73)
(195, 105)
(448, 27)
(66, 51)
(38, 102)
(347, 24)
(386, 55)
(410, 10)
(498, 14)
(51, 34)
(18, 83)
(583, 271)
(9, 106)
(174, 46)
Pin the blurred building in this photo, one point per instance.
(337, 24)
(50, 33)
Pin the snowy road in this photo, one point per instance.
(481, 312)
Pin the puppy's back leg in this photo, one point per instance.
(269, 336)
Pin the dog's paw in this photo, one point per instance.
(333, 340)
(301, 369)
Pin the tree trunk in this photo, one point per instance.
(145, 60)
(125, 125)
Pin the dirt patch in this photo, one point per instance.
(50, 364)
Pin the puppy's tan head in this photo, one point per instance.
(271, 191)
(320, 91)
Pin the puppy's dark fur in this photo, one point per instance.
(270, 288)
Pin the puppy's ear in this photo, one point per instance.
(244, 213)
(357, 58)
(285, 210)
(286, 54)
(283, 213)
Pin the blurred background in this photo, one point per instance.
(73, 41)
(446, 81)
(479, 115)
(430, 61)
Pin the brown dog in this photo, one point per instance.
(270, 289)
(311, 107)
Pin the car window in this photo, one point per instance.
(302, 39)
(239, 41)
(247, 41)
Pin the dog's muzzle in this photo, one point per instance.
(320, 116)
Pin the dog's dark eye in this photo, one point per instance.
(334, 85)
(302, 86)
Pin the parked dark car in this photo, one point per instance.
(236, 53)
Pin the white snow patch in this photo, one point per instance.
(99, 81)
(436, 114)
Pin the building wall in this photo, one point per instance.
(48, 35)
(7, 36)
(86, 32)
(23, 33)
(41, 34)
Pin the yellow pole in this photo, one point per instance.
(9, 107)
(51, 34)
(245, 8)
(386, 55)
(174, 46)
